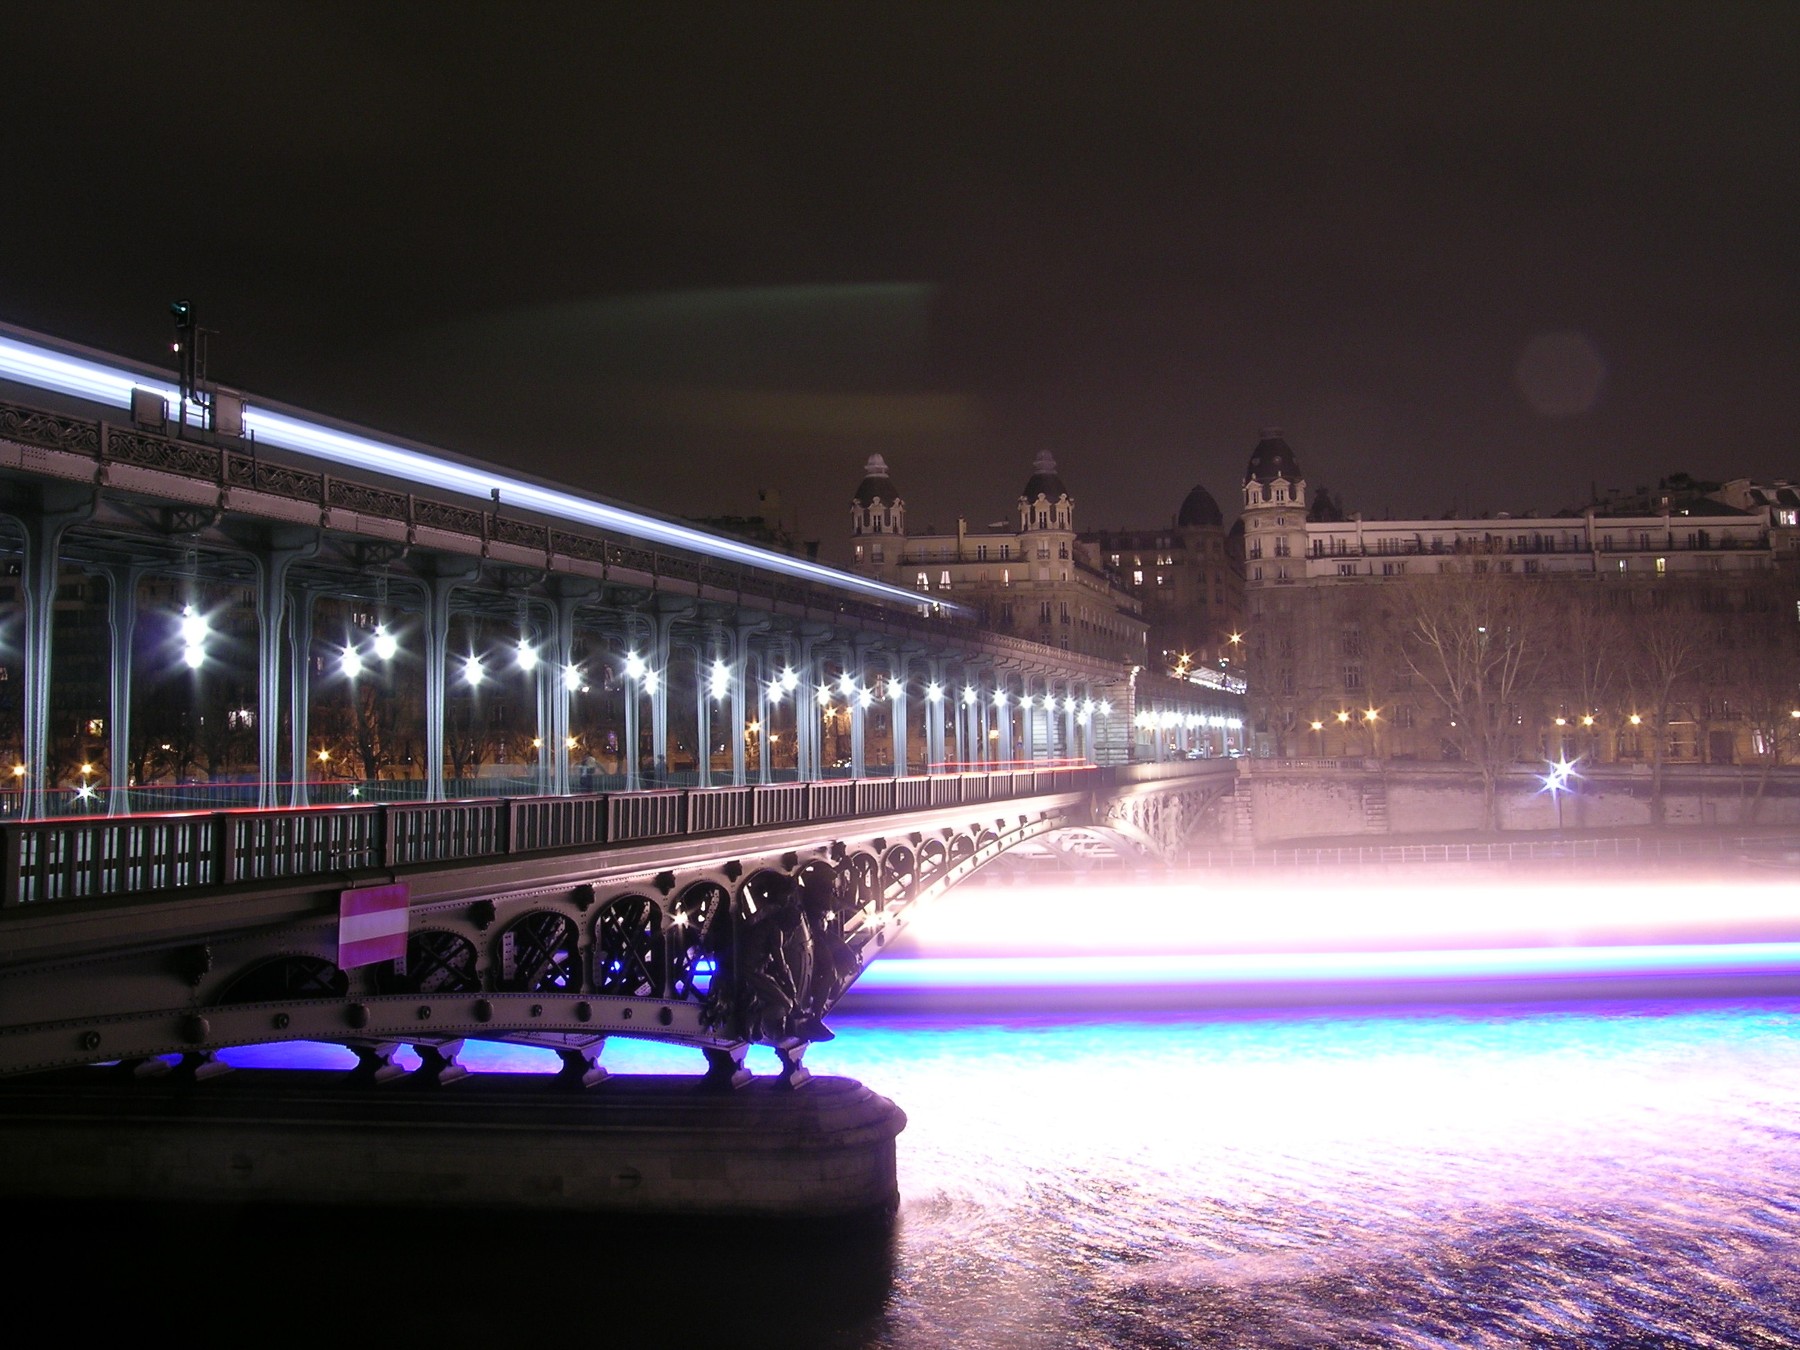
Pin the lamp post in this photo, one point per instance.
(1556, 783)
(1319, 735)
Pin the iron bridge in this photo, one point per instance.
(714, 917)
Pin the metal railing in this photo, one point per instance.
(1621, 849)
(66, 858)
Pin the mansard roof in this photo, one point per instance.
(876, 485)
(1272, 459)
(1045, 482)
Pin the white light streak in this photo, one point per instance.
(44, 368)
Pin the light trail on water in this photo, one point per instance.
(1334, 932)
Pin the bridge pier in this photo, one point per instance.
(495, 1142)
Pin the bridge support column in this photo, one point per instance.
(806, 709)
(661, 655)
(440, 587)
(765, 673)
(859, 702)
(1003, 717)
(740, 675)
(544, 684)
(278, 552)
(853, 706)
(896, 691)
(934, 718)
(965, 711)
(121, 618)
(981, 711)
(300, 634)
(57, 509)
(707, 649)
(569, 592)
(629, 749)
(1068, 746)
(1028, 704)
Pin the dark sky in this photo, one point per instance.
(1468, 256)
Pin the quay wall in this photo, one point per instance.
(1300, 799)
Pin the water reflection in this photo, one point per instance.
(1589, 1175)
(1596, 1174)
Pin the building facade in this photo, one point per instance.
(1033, 578)
(1661, 630)
(1188, 581)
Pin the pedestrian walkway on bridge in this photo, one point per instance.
(218, 598)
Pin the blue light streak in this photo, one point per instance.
(1032, 972)
(41, 367)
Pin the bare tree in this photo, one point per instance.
(1761, 674)
(1667, 647)
(1586, 665)
(1478, 642)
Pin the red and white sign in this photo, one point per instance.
(372, 925)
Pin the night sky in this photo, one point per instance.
(1470, 257)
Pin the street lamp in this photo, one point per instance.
(193, 637)
(1556, 783)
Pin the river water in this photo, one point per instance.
(1597, 1175)
(1620, 1174)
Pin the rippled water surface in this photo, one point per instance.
(1622, 1175)
(1594, 1175)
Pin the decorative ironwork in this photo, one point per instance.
(280, 481)
(369, 501)
(20, 423)
(630, 956)
(503, 530)
(833, 899)
(763, 989)
(624, 555)
(443, 516)
(692, 963)
(538, 954)
(683, 569)
(286, 977)
(581, 546)
(154, 452)
(437, 962)
(725, 578)
(900, 870)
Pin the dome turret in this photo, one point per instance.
(1044, 481)
(1272, 459)
(876, 485)
(1045, 503)
(877, 507)
(1200, 511)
